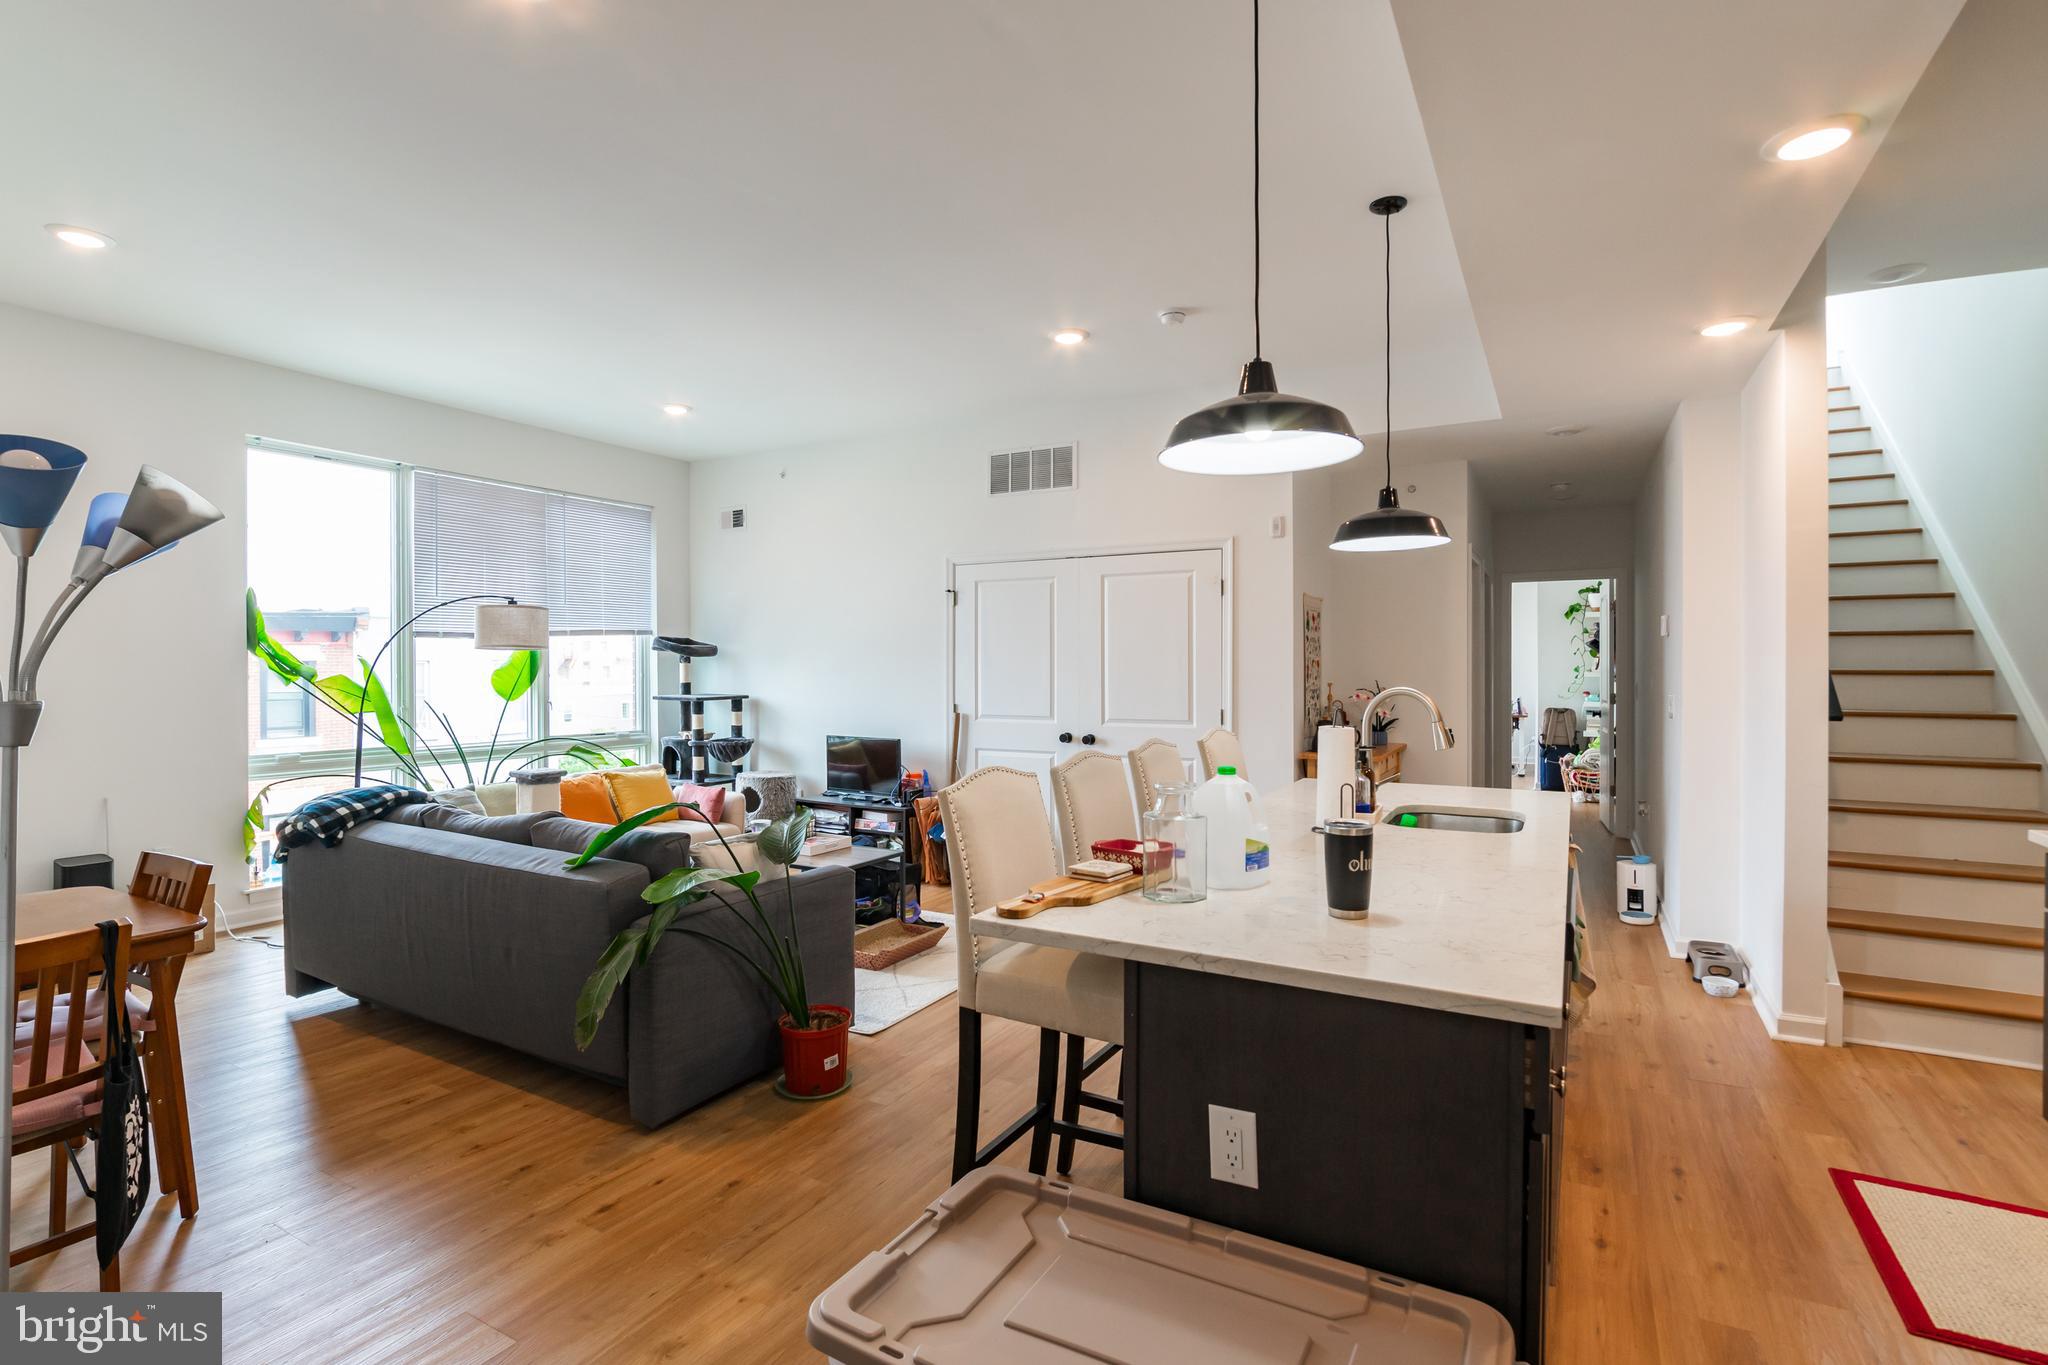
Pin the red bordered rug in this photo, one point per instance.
(1972, 1272)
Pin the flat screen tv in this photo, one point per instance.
(856, 765)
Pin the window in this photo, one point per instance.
(340, 548)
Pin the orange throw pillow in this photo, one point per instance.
(587, 796)
(636, 789)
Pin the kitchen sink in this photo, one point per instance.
(1466, 821)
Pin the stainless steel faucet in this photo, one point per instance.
(1440, 733)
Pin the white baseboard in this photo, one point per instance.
(1810, 1029)
(1672, 945)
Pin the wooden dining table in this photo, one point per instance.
(162, 937)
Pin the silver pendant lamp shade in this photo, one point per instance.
(1390, 526)
(1261, 430)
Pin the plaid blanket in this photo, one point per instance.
(327, 818)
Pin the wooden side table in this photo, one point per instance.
(1386, 762)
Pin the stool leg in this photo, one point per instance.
(1070, 1102)
(967, 1118)
(60, 1184)
(1048, 1095)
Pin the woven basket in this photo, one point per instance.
(881, 946)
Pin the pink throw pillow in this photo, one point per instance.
(710, 800)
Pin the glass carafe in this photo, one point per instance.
(1176, 854)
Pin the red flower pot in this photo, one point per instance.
(814, 1059)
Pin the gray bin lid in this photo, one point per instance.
(1007, 1268)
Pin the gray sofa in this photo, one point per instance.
(474, 923)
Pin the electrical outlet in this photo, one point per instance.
(1233, 1146)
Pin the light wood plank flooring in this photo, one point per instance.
(378, 1190)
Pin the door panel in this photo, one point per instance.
(1148, 654)
(1016, 647)
(1011, 664)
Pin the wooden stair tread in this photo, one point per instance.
(1838, 388)
(1893, 531)
(1885, 563)
(1932, 715)
(1939, 761)
(1845, 454)
(1886, 596)
(1837, 431)
(1919, 630)
(1913, 672)
(1880, 502)
(1859, 478)
(1936, 995)
(1970, 869)
(2010, 815)
(1848, 407)
(1932, 926)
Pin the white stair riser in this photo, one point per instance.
(1983, 965)
(1903, 651)
(1934, 786)
(1920, 836)
(1840, 438)
(1861, 489)
(1942, 738)
(1899, 545)
(1855, 464)
(1916, 694)
(1888, 578)
(1890, 517)
(1947, 1032)
(1910, 613)
(1903, 893)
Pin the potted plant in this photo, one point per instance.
(813, 1035)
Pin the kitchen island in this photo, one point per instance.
(1404, 1072)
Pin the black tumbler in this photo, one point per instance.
(1347, 866)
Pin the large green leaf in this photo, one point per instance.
(782, 842)
(685, 881)
(515, 677)
(275, 656)
(346, 693)
(620, 957)
(252, 826)
(582, 756)
(387, 715)
(619, 831)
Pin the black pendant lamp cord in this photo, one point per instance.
(1389, 220)
(1258, 252)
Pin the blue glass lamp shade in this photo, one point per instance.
(101, 519)
(35, 477)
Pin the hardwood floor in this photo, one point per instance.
(377, 1189)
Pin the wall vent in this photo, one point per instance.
(1038, 470)
(733, 519)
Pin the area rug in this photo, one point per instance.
(886, 998)
(1968, 1271)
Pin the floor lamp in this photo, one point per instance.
(120, 529)
(506, 624)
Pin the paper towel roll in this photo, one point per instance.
(1336, 768)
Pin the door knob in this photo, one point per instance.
(1066, 736)
(1087, 739)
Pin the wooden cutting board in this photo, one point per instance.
(1067, 891)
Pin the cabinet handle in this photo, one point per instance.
(1087, 739)
(1557, 1079)
(1066, 736)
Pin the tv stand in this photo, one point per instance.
(891, 872)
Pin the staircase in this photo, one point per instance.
(1934, 892)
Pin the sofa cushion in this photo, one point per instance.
(504, 829)
(587, 796)
(660, 851)
(462, 799)
(638, 789)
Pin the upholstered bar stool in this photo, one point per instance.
(998, 842)
(1093, 802)
(1220, 749)
(1155, 763)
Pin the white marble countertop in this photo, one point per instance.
(2039, 836)
(1472, 923)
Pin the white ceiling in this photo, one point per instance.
(810, 223)
(1954, 186)
(1600, 161)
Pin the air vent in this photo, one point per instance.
(733, 519)
(1032, 471)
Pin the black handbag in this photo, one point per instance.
(122, 1159)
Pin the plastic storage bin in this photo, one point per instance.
(1007, 1268)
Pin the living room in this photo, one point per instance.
(702, 640)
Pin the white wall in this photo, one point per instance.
(1523, 649)
(1555, 637)
(145, 694)
(1315, 517)
(830, 608)
(1952, 372)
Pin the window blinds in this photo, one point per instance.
(589, 562)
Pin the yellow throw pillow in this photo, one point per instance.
(586, 796)
(636, 789)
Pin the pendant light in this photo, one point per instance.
(1390, 526)
(1261, 430)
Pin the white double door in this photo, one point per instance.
(1053, 656)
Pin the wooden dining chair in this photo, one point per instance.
(57, 1081)
(182, 884)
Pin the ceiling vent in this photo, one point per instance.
(733, 519)
(1032, 471)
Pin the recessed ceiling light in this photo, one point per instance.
(85, 239)
(1727, 327)
(1810, 140)
(1070, 336)
(1898, 274)
(1564, 431)
(676, 409)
